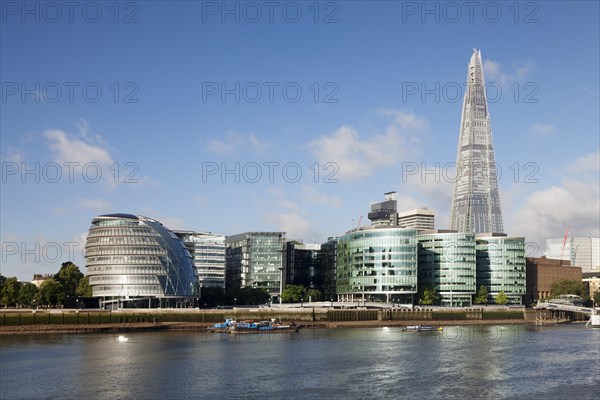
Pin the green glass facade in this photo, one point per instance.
(501, 266)
(447, 264)
(377, 264)
(255, 259)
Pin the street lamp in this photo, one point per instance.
(301, 300)
(280, 284)
(234, 301)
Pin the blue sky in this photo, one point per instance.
(162, 119)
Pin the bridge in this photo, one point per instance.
(564, 308)
(566, 302)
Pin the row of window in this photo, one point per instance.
(123, 279)
(126, 270)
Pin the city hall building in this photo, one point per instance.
(135, 262)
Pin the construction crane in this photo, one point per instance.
(359, 221)
(562, 251)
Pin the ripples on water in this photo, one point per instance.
(462, 362)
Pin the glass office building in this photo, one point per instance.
(377, 263)
(255, 259)
(208, 254)
(134, 261)
(501, 266)
(447, 264)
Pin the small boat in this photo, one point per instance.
(422, 328)
(234, 327)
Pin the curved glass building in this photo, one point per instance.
(447, 264)
(377, 263)
(501, 266)
(134, 261)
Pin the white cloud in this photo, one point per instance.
(520, 69)
(576, 203)
(13, 155)
(97, 205)
(294, 224)
(83, 155)
(407, 120)
(234, 142)
(588, 164)
(82, 147)
(429, 187)
(547, 213)
(359, 157)
(172, 223)
(542, 129)
(311, 195)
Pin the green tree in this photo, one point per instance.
(27, 294)
(83, 288)
(569, 286)
(69, 276)
(2, 280)
(10, 292)
(293, 294)
(313, 294)
(52, 292)
(481, 297)
(429, 297)
(597, 298)
(212, 296)
(501, 298)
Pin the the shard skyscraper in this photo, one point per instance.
(476, 200)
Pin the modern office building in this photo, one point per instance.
(542, 272)
(447, 264)
(327, 257)
(476, 200)
(421, 219)
(377, 263)
(134, 261)
(501, 265)
(583, 252)
(385, 212)
(208, 254)
(255, 259)
(302, 265)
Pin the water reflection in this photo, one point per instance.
(461, 362)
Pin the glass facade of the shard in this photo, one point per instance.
(476, 201)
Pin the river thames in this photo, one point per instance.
(468, 362)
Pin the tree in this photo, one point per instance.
(293, 294)
(501, 298)
(10, 292)
(597, 298)
(569, 286)
(27, 294)
(429, 297)
(52, 292)
(481, 297)
(83, 288)
(313, 294)
(69, 276)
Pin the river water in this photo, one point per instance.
(469, 362)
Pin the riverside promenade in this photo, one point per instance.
(25, 321)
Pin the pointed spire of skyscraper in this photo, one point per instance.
(476, 200)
